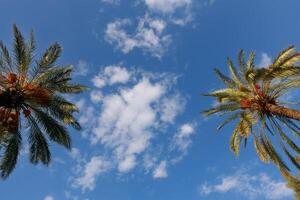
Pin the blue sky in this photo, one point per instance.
(146, 63)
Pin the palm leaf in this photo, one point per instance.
(261, 152)
(283, 55)
(229, 119)
(10, 157)
(6, 61)
(20, 51)
(235, 141)
(39, 150)
(226, 80)
(53, 128)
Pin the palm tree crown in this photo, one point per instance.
(32, 90)
(255, 98)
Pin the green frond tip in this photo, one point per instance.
(39, 149)
(11, 154)
(235, 142)
(234, 74)
(283, 55)
(68, 88)
(6, 60)
(228, 92)
(242, 63)
(223, 108)
(250, 63)
(50, 56)
(226, 80)
(260, 150)
(20, 50)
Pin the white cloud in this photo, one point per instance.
(87, 118)
(171, 107)
(48, 197)
(130, 116)
(182, 141)
(116, 128)
(161, 170)
(75, 154)
(127, 163)
(96, 166)
(149, 36)
(82, 68)
(116, 74)
(112, 74)
(98, 82)
(70, 196)
(96, 96)
(265, 60)
(127, 119)
(178, 12)
(256, 186)
(167, 6)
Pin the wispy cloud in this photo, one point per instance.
(178, 12)
(96, 166)
(81, 68)
(149, 35)
(167, 6)
(182, 140)
(113, 2)
(49, 197)
(161, 170)
(251, 186)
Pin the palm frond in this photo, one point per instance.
(229, 119)
(293, 182)
(6, 61)
(274, 156)
(67, 88)
(10, 157)
(50, 56)
(20, 51)
(235, 141)
(228, 92)
(53, 128)
(53, 75)
(234, 74)
(221, 108)
(39, 150)
(56, 109)
(283, 55)
(291, 157)
(226, 80)
(260, 150)
(242, 62)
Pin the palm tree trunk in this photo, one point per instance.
(283, 111)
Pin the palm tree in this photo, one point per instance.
(254, 97)
(32, 91)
